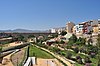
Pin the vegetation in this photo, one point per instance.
(54, 35)
(34, 51)
(63, 33)
(20, 37)
(61, 42)
(15, 47)
(78, 45)
(31, 36)
(72, 39)
(0, 50)
(98, 46)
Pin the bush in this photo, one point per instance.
(76, 49)
(87, 64)
(68, 55)
(74, 59)
(68, 47)
(92, 54)
(83, 50)
(73, 38)
(87, 60)
(63, 33)
(0, 48)
(79, 59)
(63, 53)
(61, 42)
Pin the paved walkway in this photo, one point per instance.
(6, 60)
(66, 61)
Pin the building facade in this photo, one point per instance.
(78, 29)
(58, 30)
(96, 26)
(69, 27)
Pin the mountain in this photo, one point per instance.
(24, 31)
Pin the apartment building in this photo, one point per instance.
(82, 28)
(87, 28)
(96, 26)
(78, 29)
(69, 27)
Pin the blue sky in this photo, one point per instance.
(46, 14)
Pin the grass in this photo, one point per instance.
(54, 57)
(39, 53)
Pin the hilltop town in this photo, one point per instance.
(73, 45)
(87, 29)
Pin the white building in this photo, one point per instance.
(78, 29)
(53, 30)
(58, 30)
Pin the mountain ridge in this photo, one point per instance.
(25, 31)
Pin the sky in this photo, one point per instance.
(46, 14)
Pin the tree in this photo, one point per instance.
(87, 60)
(72, 39)
(10, 35)
(54, 35)
(90, 41)
(0, 48)
(68, 55)
(61, 42)
(31, 36)
(55, 49)
(76, 50)
(20, 38)
(63, 33)
(80, 41)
